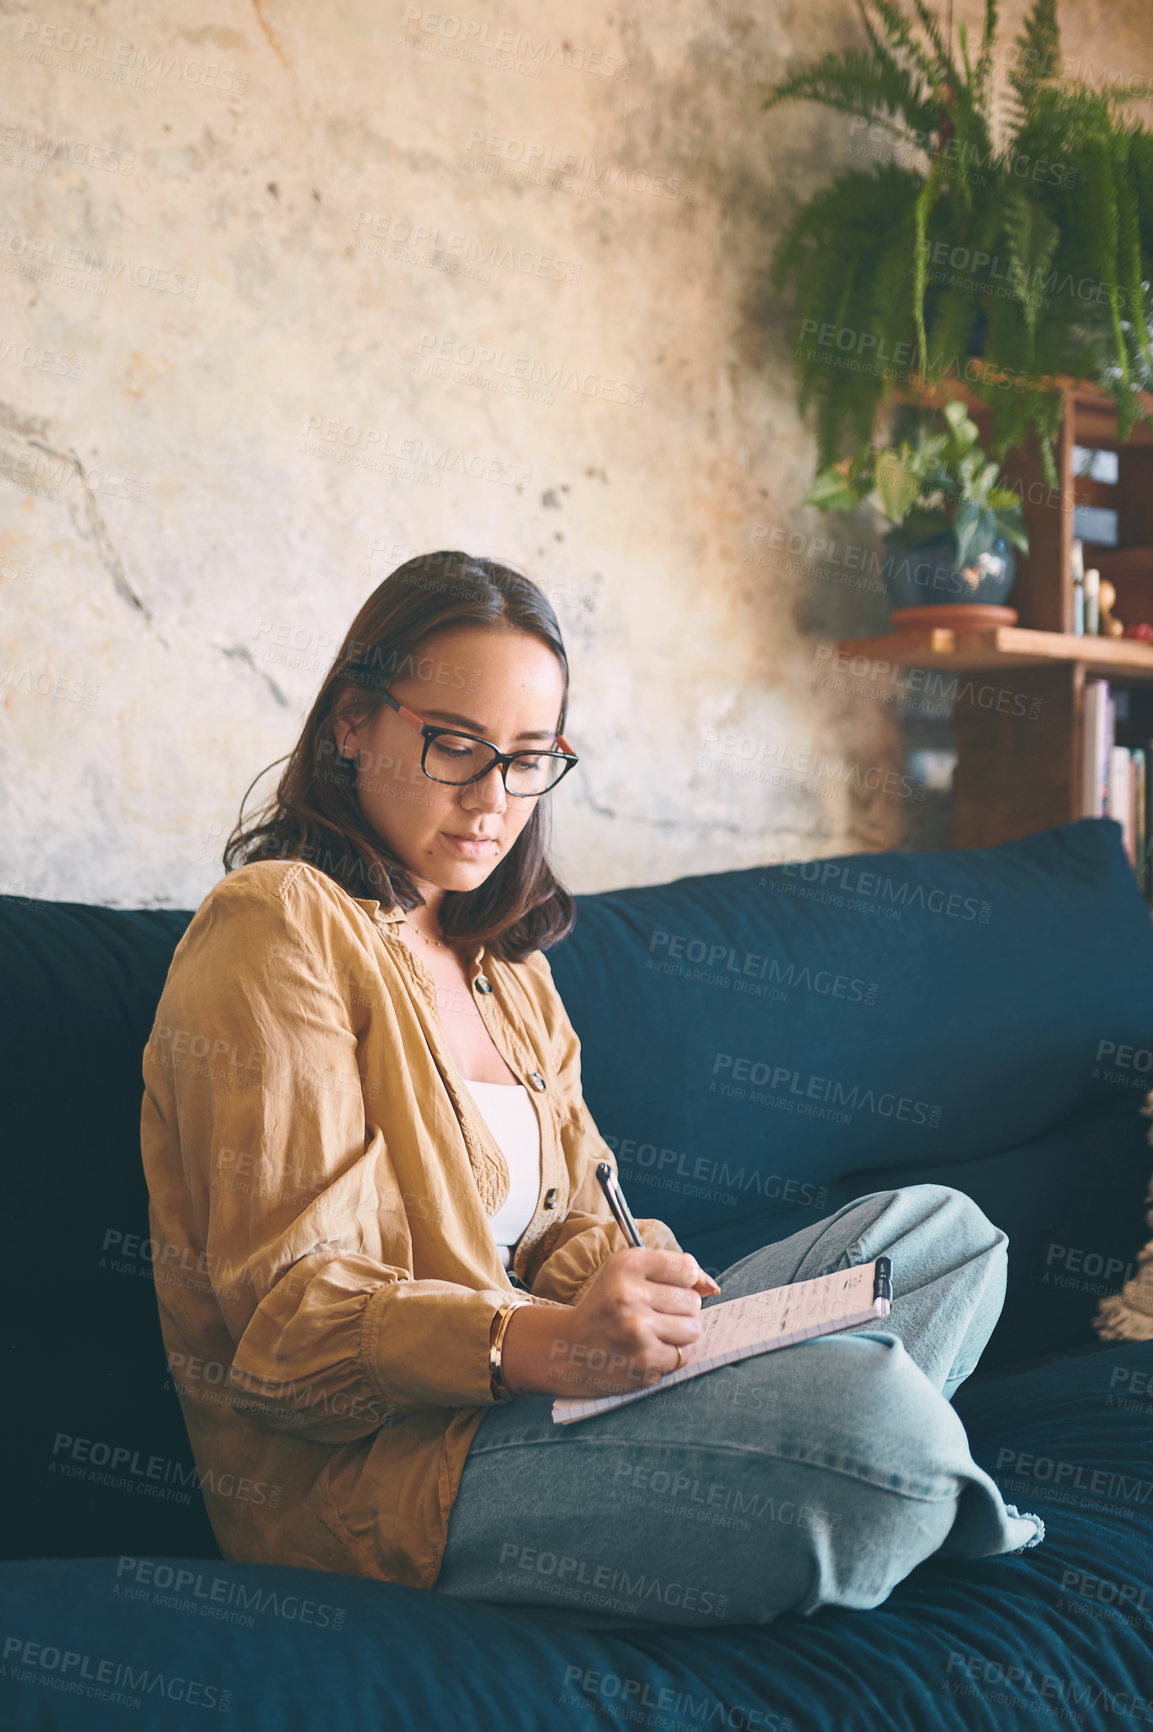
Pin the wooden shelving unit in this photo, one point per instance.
(1009, 646)
(1018, 729)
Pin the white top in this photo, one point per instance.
(510, 1116)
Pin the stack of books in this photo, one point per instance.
(1116, 780)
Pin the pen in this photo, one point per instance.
(616, 1201)
(883, 1284)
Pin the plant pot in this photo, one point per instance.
(928, 574)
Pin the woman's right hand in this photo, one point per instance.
(623, 1333)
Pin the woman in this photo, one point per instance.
(381, 1248)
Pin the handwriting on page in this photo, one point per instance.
(762, 1317)
(733, 1329)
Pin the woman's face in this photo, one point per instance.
(499, 683)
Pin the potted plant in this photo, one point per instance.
(953, 526)
(998, 252)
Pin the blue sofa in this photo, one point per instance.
(759, 1047)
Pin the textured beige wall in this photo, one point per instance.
(516, 260)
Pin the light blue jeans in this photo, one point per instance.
(815, 1475)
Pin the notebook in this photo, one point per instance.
(733, 1329)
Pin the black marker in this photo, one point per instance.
(883, 1283)
(616, 1201)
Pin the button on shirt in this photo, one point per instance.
(321, 1191)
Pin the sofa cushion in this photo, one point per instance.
(762, 1045)
(85, 982)
(980, 1018)
(100, 1459)
(1059, 1633)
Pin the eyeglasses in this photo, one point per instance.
(457, 759)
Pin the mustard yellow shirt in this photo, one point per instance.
(320, 1189)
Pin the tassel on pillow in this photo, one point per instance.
(1128, 1315)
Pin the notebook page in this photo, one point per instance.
(733, 1329)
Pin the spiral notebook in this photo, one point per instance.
(733, 1329)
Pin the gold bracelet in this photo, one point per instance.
(496, 1334)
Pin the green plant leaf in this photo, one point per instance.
(973, 242)
(921, 209)
(985, 63)
(1038, 58)
(920, 526)
(900, 31)
(975, 530)
(1032, 236)
(897, 483)
(870, 86)
(1011, 529)
(963, 429)
(832, 491)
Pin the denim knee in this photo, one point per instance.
(892, 1466)
(963, 1216)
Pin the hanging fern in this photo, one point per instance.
(1000, 261)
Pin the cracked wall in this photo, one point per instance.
(292, 294)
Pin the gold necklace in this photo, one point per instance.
(439, 942)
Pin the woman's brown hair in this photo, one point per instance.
(316, 815)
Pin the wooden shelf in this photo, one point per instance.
(1095, 409)
(1007, 646)
(1020, 729)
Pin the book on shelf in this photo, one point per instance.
(1116, 781)
(1098, 723)
(1119, 797)
(1140, 757)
